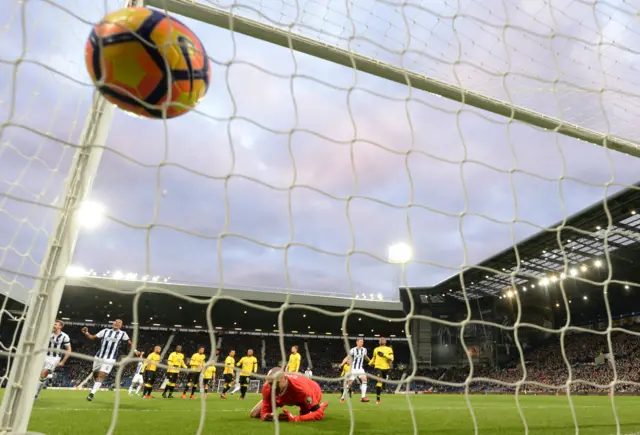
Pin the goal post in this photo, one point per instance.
(44, 299)
(350, 59)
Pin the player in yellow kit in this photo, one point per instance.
(175, 363)
(151, 365)
(227, 373)
(196, 363)
(294, 360)
(345, 372)
(249, 365)
(381, 361)
(208, 378)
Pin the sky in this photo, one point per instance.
(297, 173)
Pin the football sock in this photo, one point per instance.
(363, 388)
(378, 391)
(193, 389)
(96, 387)
(243, 390)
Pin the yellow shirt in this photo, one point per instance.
(229, 363)
(197, 361)
(294, 362)
(249, 365)
(152, 360)
(382, 362)
(175, 362)
(345, 370)
(209, 372)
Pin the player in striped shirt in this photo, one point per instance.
(356, 358)
(54, 359)
(138, 378)
(110, 341)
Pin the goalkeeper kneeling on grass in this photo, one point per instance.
(290, 390)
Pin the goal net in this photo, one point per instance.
(332, 130)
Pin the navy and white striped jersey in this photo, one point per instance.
(139, 368)
(110, 343)
(60, 341)
(357, 355)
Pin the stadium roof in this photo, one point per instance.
(201, 291)
(568, 249)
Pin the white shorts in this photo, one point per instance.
(137, 379)
(51, 363)
(104, 366)
(356, 373)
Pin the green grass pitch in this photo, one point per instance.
(68, 413)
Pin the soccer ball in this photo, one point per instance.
(147, 63)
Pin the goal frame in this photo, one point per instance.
(45, 297)
(272, 34)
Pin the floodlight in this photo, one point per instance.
(90, 215)
(400, 253)
(573, 272)
(597, 263)
(76, 271)
(583, 268)
(117, 274)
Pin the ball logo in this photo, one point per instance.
(309, 400)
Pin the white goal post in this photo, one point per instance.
(26, 357)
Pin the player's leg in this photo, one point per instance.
(255, 412)
(171, 384)
(187, 386)
(100, 371)
(244, 386)
(43, 380)
(346, 388)
(195, 383)
(149, 380)
(381, 385)
(228, 383)
(363, 388)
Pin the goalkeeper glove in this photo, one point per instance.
(267, 417)
(287, 416)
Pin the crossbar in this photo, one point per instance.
(303, 44)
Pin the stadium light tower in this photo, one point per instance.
(90, 215)
(399, 253)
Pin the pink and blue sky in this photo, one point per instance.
(298, 172)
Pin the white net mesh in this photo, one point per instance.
(295, 175)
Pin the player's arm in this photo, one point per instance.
(297, 362)
(66, 355)
(239, 363)
(389, 355)
(89, 335)
(347, 359)
(266, 410)
(255, 366)
(372, 361)
(316, 414)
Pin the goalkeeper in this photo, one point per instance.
(290, 390)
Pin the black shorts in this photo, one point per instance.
(172, 377)
(228, 378)
(149, 377)
(384, 374)
(244, 380)
(193, 377)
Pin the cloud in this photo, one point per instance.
(296, 167)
